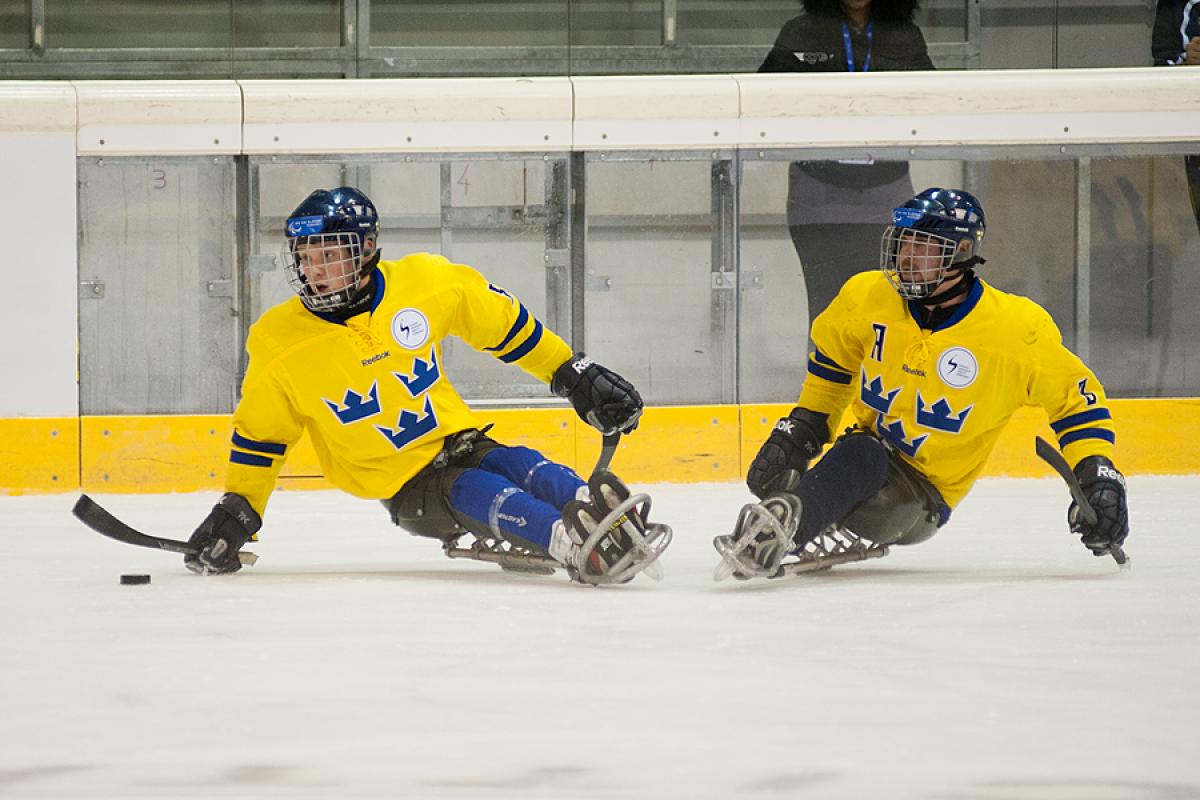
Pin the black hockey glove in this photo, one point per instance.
(602, 398)
(1104, 488)
(221, 536)
(796, 440)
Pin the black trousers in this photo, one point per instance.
(830, 254)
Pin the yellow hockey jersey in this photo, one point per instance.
(942, 397)
(371, 391)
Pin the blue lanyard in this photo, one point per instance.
(850, 47)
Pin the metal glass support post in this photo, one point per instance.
(447, 203)
(576, 208)
(356, 29)
(670, 16)
(725, 273)
(1083, 257)
(557, 188)
(245, 203)
(37, 26)
(974, 27)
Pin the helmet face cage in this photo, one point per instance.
(914, 261)
(929, 234)
(331, 241)
(324, 268)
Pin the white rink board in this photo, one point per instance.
(998, 660)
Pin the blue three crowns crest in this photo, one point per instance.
(937, 417)
(410, 425)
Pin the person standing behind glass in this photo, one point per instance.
(1176, 43)
(835, 208)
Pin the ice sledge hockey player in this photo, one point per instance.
(356, 360)
(934, 361)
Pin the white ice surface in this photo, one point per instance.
(998, 660)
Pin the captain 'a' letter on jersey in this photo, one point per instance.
(371, 390)
(941, 397)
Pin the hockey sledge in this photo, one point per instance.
(642, 557)
(771, 522)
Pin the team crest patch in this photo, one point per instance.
(957, 367)
(410, 328)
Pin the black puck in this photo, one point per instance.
(134, 580)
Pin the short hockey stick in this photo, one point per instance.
(90, 513)
(1048, 453)
(608, 449)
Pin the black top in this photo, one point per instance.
(1176, 22)
(815, 43)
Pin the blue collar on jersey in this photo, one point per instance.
(377, 288)
(964, 308)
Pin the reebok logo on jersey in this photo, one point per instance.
(518, 521)
(366, 362)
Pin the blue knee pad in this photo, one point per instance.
(536, 474)
(495, 504)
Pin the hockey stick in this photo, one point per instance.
(608, 449)
(90, 513)
(1048, 453)
(654, 570)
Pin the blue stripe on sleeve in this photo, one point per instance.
(258, 447)
(827, 373)
(1087, 433)
(522, 318)
(250, 460)
(525, 346)
(1093, 415)
(821, 358)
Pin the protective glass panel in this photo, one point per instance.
(401, 23)
(287, 23)
(153, 38)
(616, 22)
(138, 24)
(1061, 33)
(470, 38)
(753, 23)
(1143, 331)
(505, 218)
(157, 310)
(1104, 245)
(14, 24)
(1109, 34)
(655, 233)
(945, 21)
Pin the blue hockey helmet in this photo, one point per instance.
(331, 242)
(933, 235)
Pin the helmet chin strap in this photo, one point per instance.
(360, 296)
(959, 289)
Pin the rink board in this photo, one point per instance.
(679, 444)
